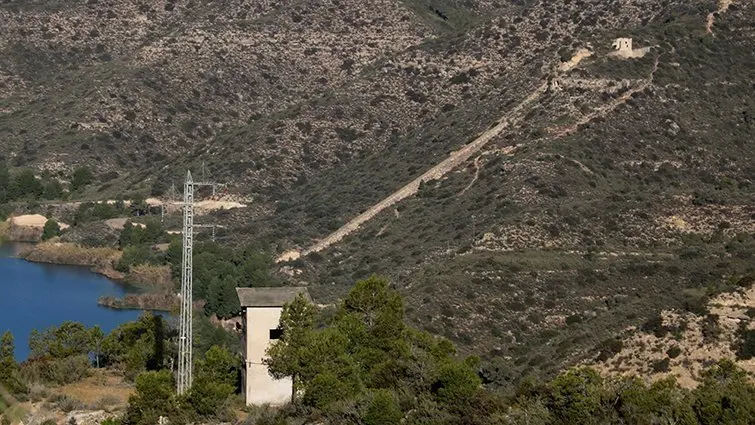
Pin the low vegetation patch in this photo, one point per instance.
(56, 252)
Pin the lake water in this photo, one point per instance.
(37, 296)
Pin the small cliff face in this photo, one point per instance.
(26, 228)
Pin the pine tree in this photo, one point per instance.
(8, 366)
(50, 230)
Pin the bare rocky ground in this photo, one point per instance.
(683, 343)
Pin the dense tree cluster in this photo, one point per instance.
(23, 184)
(366, 366)
(81, 178)
(216, 380)
(51, 229)
(367, 358)
(138, 346)
(90, 211)
(61, 354)
(219, 270)
(136, 243)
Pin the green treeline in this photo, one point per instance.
(144, 352)
(218, 270)
(23, 184)
(361, 363)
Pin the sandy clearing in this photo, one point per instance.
(33, 220)
(205, 205)
(641, 349)
(120, 223)
(575, 60)
(210, 205)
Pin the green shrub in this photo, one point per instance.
(655, 326)
(673, 352)
(383, 409)
(68, 404)
(746, 345)
(575, 397)
(134, 255)
(610, 348)
(710, 328)
(50, 230)
(661, 365)
(324, 390)
(81, 177)
(57, 371)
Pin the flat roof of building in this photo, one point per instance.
(270, 297)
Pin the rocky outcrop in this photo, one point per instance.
(84, 417)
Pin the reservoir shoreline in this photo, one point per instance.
(40, 295)
(149, 287)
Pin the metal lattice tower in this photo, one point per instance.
(185, 329)
(185, 360)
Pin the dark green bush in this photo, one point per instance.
(673, 352)
(746, 344)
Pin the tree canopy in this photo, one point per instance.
(9, 369)
(51, 229)
(367, 355)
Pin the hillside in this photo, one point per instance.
(585, 191)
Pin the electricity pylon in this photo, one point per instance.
(185, 330)
(185, 361)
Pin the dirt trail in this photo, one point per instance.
(460, 156)
(438, 171)
(476, 175)
(723, 6)
(605, 110)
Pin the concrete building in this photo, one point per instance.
(261, 312)
(622, 44)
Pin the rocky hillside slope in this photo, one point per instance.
(622, 188)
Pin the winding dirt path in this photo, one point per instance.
(476, 175)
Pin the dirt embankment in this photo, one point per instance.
(26, 228)
(102, 260)
(151, 276)
(4, 225)
(55, 252)
(683, 344)
(164, 301)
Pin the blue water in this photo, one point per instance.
(37, 296)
